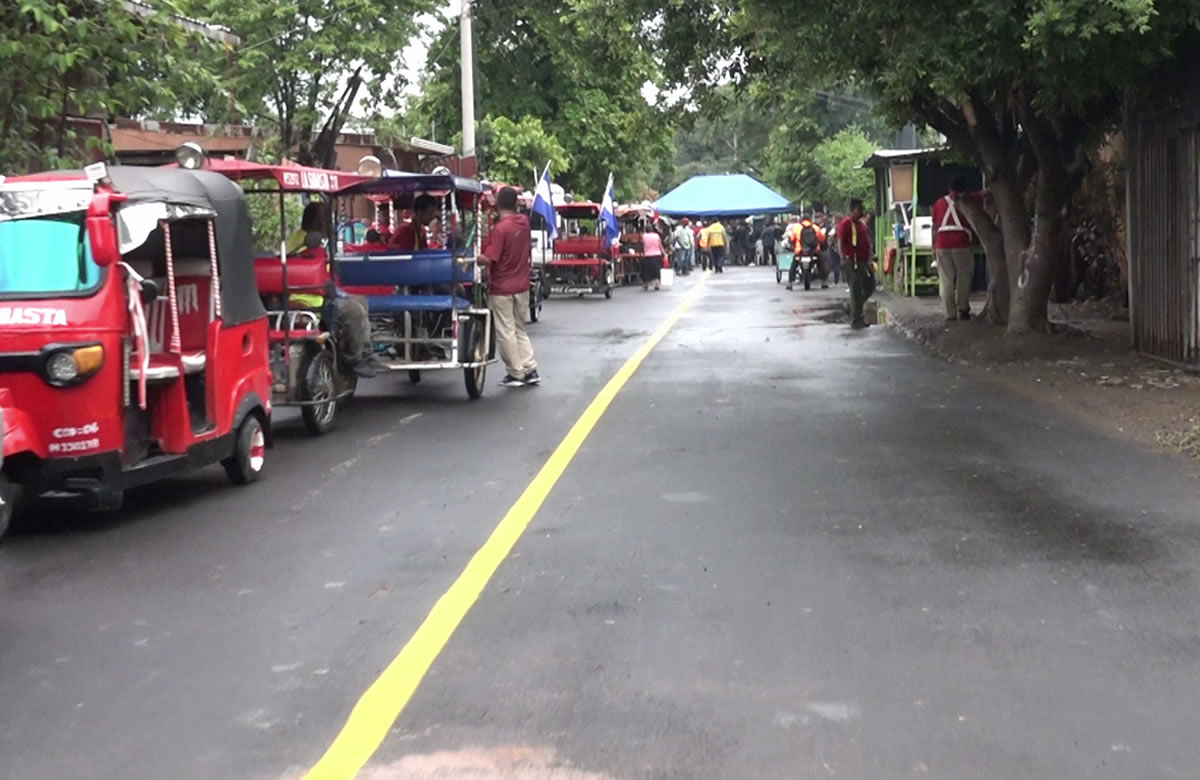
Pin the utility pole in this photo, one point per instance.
(466, 39)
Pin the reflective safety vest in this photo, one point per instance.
(951, 221)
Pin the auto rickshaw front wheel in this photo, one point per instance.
(249, 453)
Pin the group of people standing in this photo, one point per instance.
(699, 245)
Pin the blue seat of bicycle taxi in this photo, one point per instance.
(433, 268)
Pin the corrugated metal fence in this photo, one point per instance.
(1164, 239)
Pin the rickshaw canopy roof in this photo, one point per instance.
(578, 210)
(404, 186)
(288, 178)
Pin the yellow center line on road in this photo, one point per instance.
(374, 714)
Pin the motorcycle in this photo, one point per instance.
(810, 267)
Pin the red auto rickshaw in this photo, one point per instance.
(133, 344)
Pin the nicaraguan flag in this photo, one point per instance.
(543, 203)
(608, 214)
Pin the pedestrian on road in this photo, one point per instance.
(684, 242)
(952, 250)
(652, 258)
(833, 260)
(506, 256)
(717, 244)
(854, 242)
(702, 234)
(768, 244)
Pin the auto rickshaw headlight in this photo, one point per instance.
(61, 368)
(70, 365)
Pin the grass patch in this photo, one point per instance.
(1182, 442)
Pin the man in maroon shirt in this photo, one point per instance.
(854, 241)
(410, 236)
(506, 256)
(952, 250)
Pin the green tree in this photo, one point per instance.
(578, 66)
(303, 64)
(516, 149)
(1022, 89)
(840, 159)
(99, 59)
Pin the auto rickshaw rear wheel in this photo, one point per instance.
(249, 453)
(319, 383)
(414, 376)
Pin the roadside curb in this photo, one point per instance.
(889, 320)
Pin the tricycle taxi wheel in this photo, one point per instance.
(535, 303)
(470, 333)
(778, 275)
(808, 277)
(414, 376)
(249, 454)
(319, 384)
(608, 292)
(8, 503)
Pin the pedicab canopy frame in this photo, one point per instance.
(436, 314)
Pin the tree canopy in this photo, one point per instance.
(577, 67)
(1022, 88)
(86, 58)
(303, 64)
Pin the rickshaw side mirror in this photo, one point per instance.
(149, 291)
(103, 238)
(102, 233)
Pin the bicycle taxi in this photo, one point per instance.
(133, 344)
(582, 263)
(309, 368)
(428, 307)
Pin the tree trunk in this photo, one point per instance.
(995, 310)
(1031, 295)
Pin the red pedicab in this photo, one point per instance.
(307, 365)
(583, 262)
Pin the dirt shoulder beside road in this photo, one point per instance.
(1085, 367)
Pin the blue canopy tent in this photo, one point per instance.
(722, 195)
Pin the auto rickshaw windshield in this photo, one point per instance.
(48, 255)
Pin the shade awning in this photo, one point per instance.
(722, 195)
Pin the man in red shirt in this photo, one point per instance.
(410, 236)
(854, 241)
(506, 256)
(952, 250)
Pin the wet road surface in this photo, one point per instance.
(786, 550)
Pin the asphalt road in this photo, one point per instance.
(787, 550)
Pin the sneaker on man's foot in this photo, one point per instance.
(964, 315)
(824, 287)
(511, 381)
(364, 371)
(789, 287)
(532, 378)
(859, 324)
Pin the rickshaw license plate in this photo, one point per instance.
(567, 290)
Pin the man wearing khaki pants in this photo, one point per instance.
(952, 250)
(506, 255)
